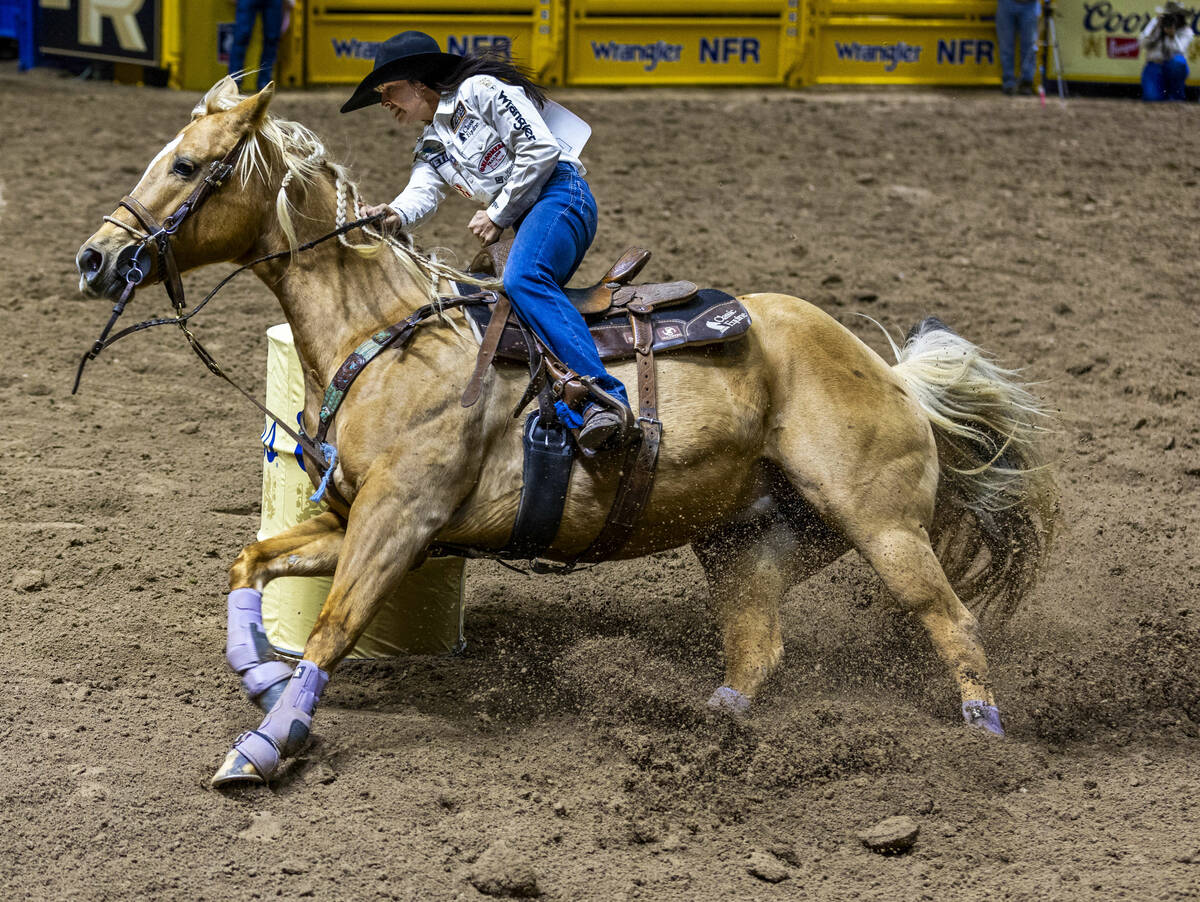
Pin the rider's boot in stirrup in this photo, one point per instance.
(601, 427)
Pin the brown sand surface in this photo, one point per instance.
(573, 728)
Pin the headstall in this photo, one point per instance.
(160, 236)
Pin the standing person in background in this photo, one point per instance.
(1166, 39)
(1017, 21)
(243, 26)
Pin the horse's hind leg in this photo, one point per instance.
(749, 570)
(905, 561)
(308, 549)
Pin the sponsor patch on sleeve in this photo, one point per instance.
(459, 112)
(428, 149)
(492, 157)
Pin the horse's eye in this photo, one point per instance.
(184, 168)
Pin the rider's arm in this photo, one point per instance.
(420, 198)
(520, 126)
(1150, 33)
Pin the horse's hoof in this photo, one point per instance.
(236, 770)
(252, 759)
(728, 700)
(982, 716)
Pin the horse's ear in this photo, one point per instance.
(253, 110)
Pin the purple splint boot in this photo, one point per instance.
(256, 753)
(983, 716)
(249, 653)
(729, 700)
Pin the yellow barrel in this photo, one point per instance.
(424, 616)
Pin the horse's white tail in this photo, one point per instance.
(996, 503)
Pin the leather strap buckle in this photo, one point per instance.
(218, 171)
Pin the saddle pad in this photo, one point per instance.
(711, 316)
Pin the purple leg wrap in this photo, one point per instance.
(726, 698)
(286, 727)
(248, 651)
(983, 716)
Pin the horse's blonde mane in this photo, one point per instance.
(306, 162)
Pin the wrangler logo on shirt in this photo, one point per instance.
(521, 123)
(459, 112)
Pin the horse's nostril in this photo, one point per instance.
(91, 262)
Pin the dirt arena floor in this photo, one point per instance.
(573, 728)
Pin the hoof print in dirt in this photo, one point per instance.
(502, 871)
(767, 867)
(263, 827)
(891, 836)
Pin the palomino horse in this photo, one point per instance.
(780, 452)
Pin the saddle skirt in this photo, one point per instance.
(709, 317)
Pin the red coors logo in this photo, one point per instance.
(492, 157)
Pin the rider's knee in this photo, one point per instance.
(519, 279)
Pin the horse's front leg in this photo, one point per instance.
(383, 539)
(307, 549)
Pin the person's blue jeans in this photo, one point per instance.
(1165, 81)
(551, 238)
(1017, 22)
(243, 27)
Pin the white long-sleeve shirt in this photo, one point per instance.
(1160, 51)
(488, 142)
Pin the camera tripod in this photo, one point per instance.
(1051, 41)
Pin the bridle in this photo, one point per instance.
(160, 236)
(321, 454)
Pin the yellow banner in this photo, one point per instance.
(863, 50)
(605, 51)
(1097, 39)
(341, 44)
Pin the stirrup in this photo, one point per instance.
(626, 422)
(601, 429)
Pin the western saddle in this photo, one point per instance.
(612, 291)
(624, 321)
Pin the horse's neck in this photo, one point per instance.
(332, 296)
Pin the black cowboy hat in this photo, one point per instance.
(408, 55)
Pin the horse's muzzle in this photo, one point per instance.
(103, 272)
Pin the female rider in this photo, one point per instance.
(485, 137)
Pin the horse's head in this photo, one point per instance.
(223, 130)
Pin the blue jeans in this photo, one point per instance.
(1017, 21)
(1165, 81)
(551, 238)
(243, 27)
